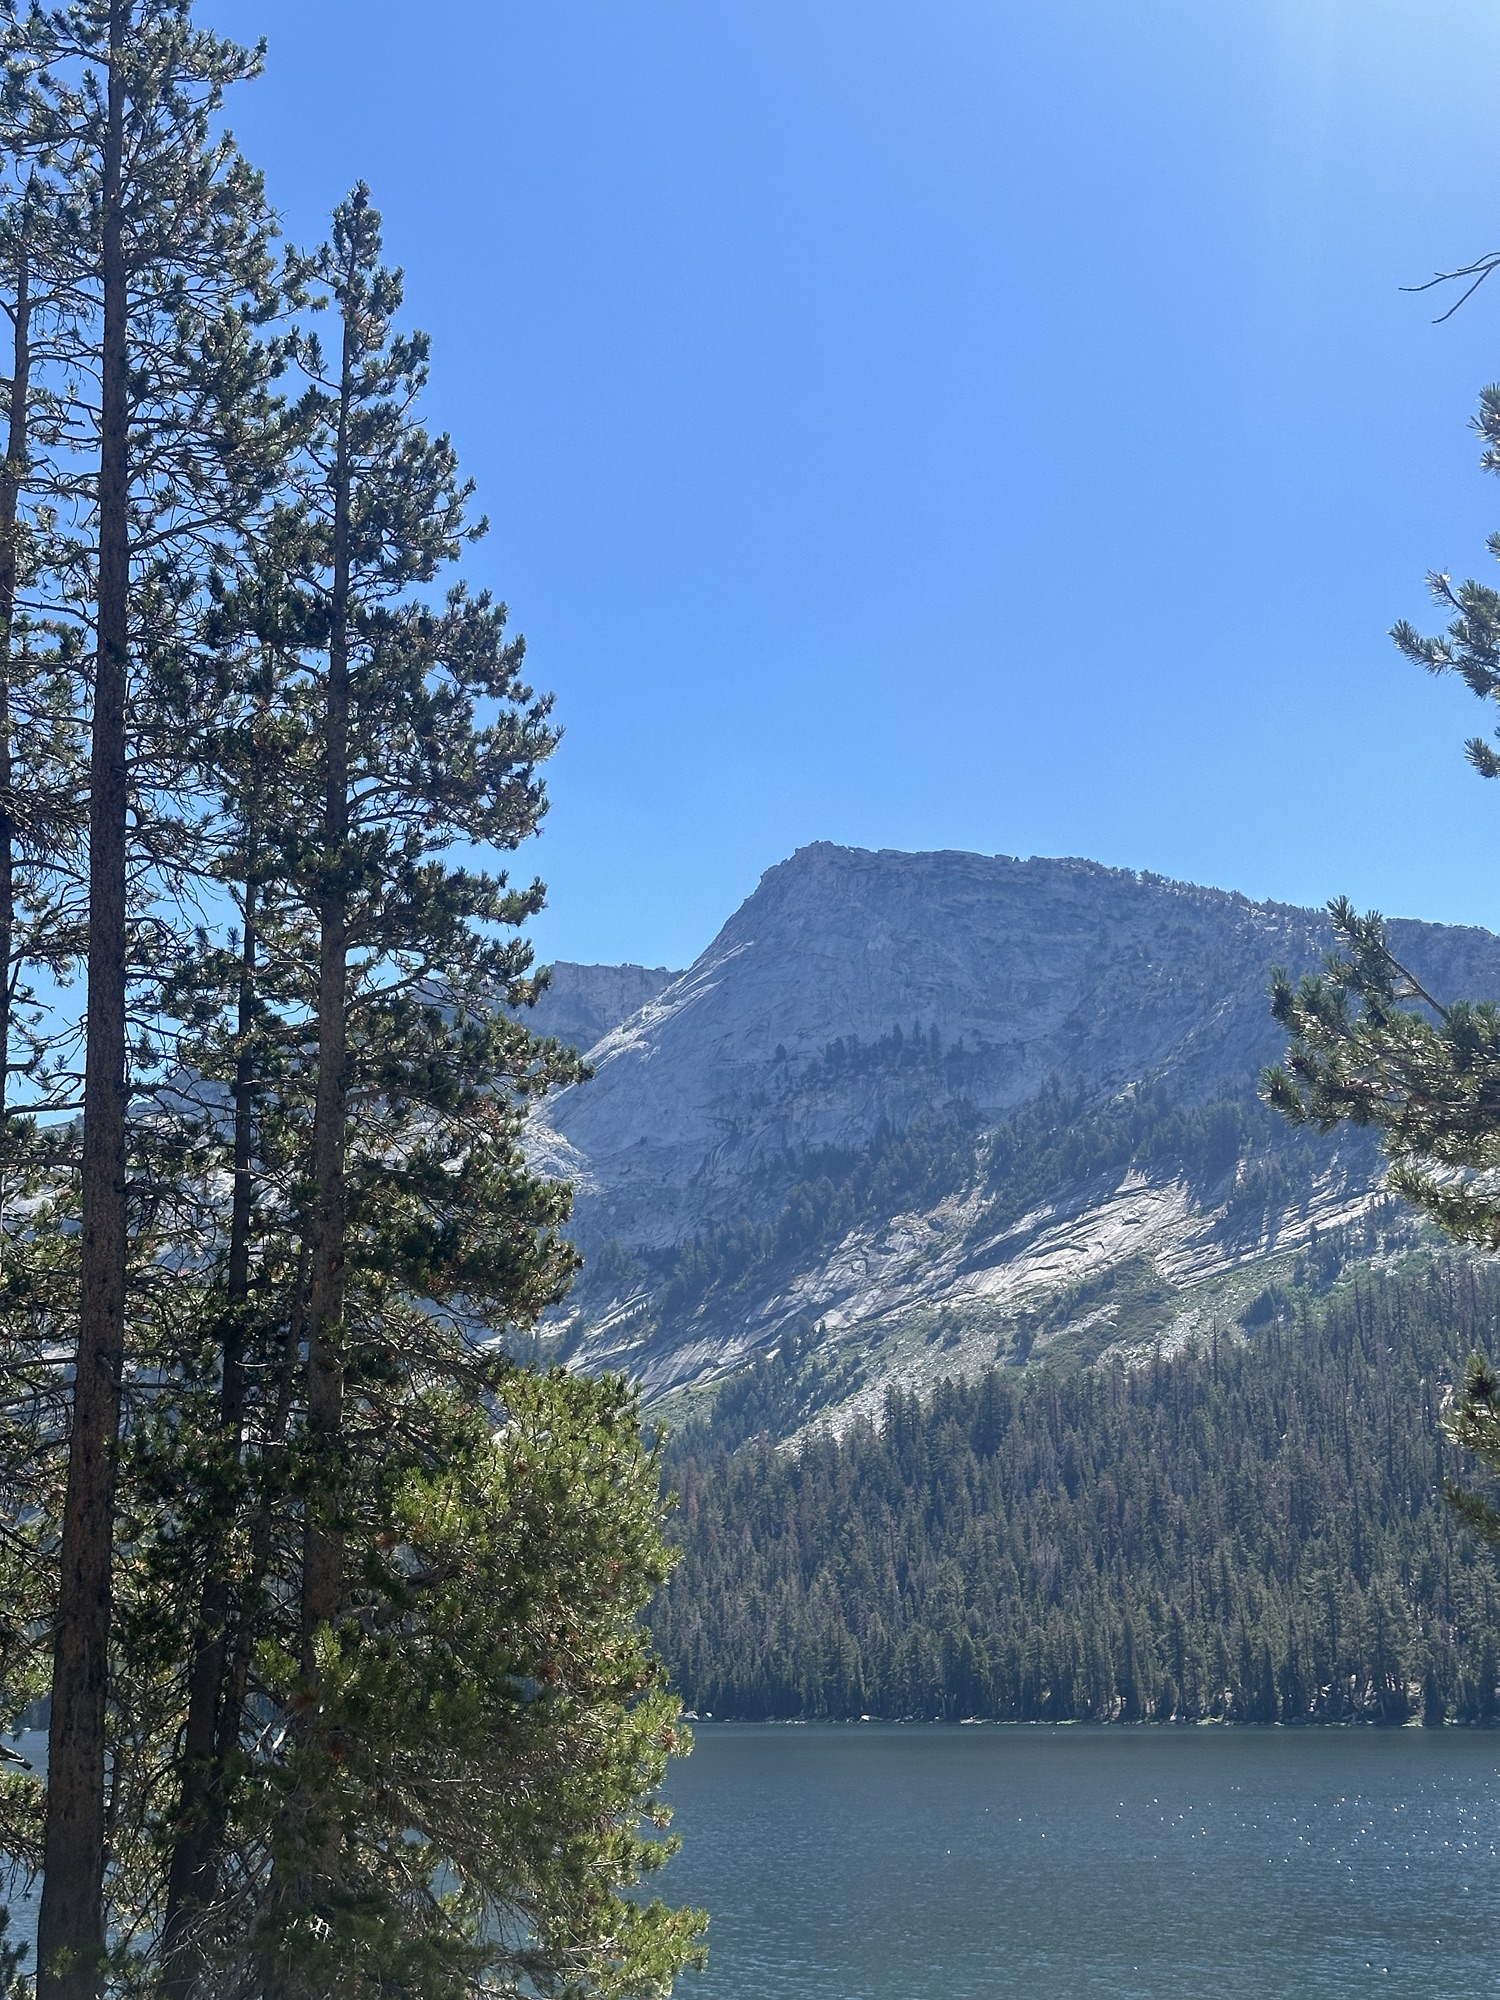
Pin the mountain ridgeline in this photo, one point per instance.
(925, 1114)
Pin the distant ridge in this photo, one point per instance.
(583, 1003)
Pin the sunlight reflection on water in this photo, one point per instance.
(884, 1863)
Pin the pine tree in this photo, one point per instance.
(307, 1228)
(165, 274)
(236, 761)
(1372, 1046)
(39, 783)
(409, 1592)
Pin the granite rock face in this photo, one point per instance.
(583, 1002)
(1036, 968)
(795, 1032)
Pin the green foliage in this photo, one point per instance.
(494, 1724)
(1370, 1046)
(424, 1778)
(778, 1393)
(1252, 1529)
(1228, 1146)
(1470, 647)
(896, 1053)
(14, 1985)
(432, 1784)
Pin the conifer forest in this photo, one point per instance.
(1250, 1530)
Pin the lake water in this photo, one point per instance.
(890, 1863)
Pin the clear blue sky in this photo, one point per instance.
(946, 423)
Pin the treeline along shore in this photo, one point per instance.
(1252, 1529)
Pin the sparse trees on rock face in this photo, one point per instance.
(348, 1692)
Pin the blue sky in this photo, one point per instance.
(945, 423)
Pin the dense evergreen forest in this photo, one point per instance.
(1253, 1529)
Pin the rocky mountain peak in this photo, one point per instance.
(856, 995)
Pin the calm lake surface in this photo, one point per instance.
(924, 1863)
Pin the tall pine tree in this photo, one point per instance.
(166, 272)
(421, 1561)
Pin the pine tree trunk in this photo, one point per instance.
(323, 1562)
(10, 497)
(323, 1539)
(187, 1975)
(193, 1874)
(70, 1932)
